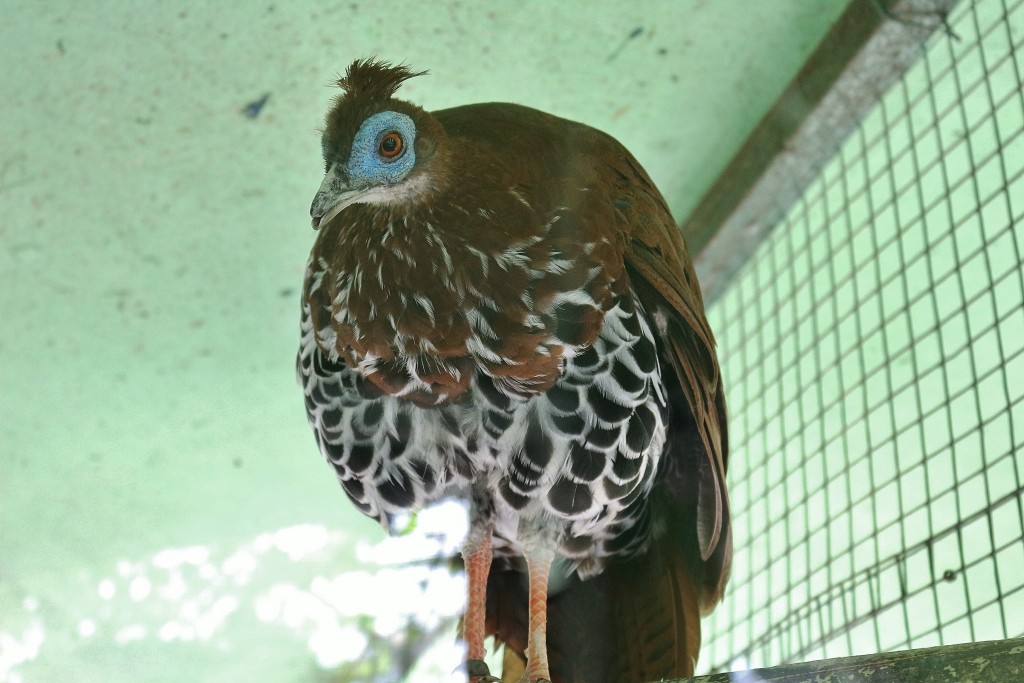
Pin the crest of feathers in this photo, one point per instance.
(373, 80)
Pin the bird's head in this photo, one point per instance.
(376, 148)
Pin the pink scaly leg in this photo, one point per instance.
(477, 556)
(538, 563)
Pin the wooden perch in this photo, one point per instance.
(997, 661)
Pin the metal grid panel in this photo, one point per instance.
(873, 352)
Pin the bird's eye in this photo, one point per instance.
(391, 145)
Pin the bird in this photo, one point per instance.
(499, 308)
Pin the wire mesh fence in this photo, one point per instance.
(873, 350)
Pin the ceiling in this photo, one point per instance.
(163, 509)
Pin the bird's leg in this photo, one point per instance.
(476, 554)
(538, 564)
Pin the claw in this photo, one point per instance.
(479, 673)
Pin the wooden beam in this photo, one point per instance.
(870, 46)
(996, 661)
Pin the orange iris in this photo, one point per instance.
(391, 145)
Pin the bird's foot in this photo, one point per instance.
(535, 676)
(479, 673)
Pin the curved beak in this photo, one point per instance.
(335, 193)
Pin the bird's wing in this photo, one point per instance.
(664, 277)
(604, 628)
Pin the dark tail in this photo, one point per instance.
(638, 621)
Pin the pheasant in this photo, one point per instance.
(499, 308)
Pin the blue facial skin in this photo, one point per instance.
(366, 166)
